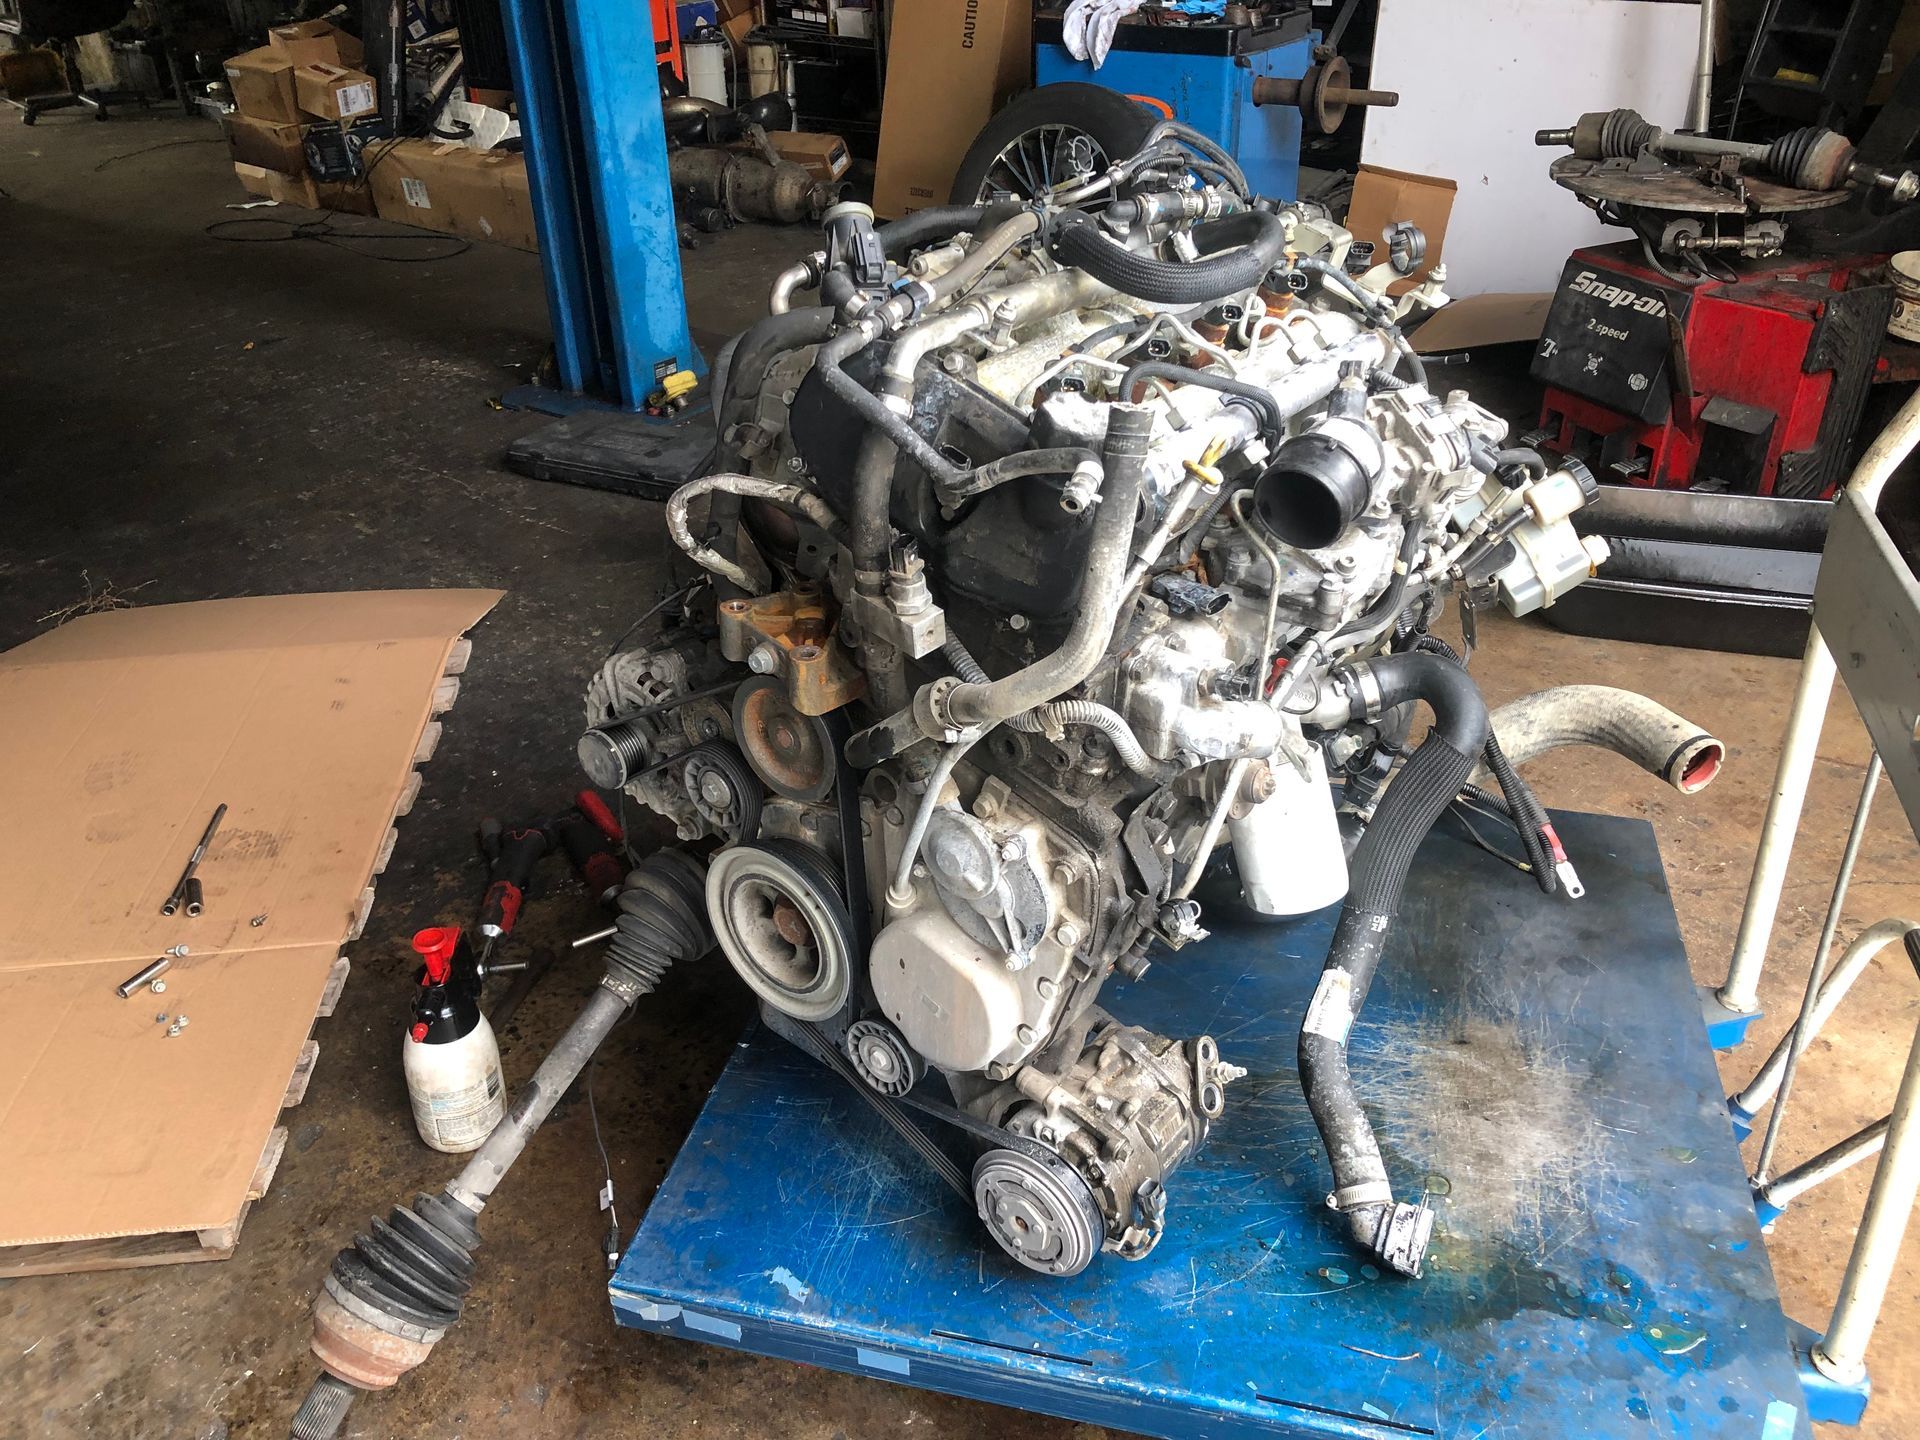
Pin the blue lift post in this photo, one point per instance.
(596, 146)
(1533, 1065)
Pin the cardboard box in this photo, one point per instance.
(950, 65)
(1383, 197)
(442, 185)
(351, 198)
(333, 92)
(310, 42)
(262, 85)
(123, 730)
(270, 146)
(824, 157)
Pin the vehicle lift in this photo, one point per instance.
(586, 79)
(1629, 1286)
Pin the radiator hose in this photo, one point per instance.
(1396, 1232)
(1261, 238)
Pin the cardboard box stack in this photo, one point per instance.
(442, 185)
(302, 76)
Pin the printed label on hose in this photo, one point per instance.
(1331, 1013)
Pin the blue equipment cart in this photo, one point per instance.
(1536, 1066)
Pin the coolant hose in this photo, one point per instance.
(1664, 744)
(1415, 799)
(1260, 237)
(924, 227)
(987, 251)
(1129, 429)
(805, 503)
(1105, 719)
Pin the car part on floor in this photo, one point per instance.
(390, 1296)
(1049, 546)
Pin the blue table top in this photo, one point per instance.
(1537, 1066)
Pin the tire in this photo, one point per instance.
(1115, 124)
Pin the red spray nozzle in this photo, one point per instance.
(435, 946)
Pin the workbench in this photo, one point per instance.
(1536, 1066)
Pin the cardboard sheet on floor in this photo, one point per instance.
(121, 732)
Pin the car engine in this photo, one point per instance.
(1068, 564)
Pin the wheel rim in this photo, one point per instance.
(1034, 161)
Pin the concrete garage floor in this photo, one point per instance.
(186, 419)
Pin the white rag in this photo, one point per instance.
(1088, 26)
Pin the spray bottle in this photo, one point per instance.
(451, 1060)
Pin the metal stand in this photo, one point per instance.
(1868, 598)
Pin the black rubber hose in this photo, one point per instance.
(1079, 241)
(1392, 597)
(1521, 806)
(1058, 460)
(939, 222)
(922, 227)
(1272, 421)
(1416, 798)
(1525, 456)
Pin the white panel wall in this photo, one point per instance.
(1478, 77)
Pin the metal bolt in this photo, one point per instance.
(257, 921)
(986, 807)
(178, 950)
(955, 363)
(764, 660)
(919, 871)
(1012, 849)
(796, 464)
(161, 1018)
(159, 987)
(179, 1024)
(1017, 623)
(1068, 934)
(1046, 985)
(1344, 563)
